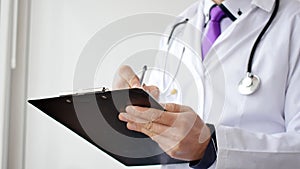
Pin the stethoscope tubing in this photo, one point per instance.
(262, 33)
(249, 73)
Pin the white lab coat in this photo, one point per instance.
(257, 131)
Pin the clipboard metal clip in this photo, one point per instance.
(85, 91)
(104, 89)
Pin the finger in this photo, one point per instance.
(139, 125)
(119, 83)
(153, 90)
(133, 126)
(126, 73)
(129, 118)
(172, 107)
(154, 115)
(161, 130)
(155, 128)
(160, 139)
(166, 143)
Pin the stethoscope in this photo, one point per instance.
(251, 82)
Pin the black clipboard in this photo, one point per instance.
(94, 117)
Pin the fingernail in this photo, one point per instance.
(155, 92)
(131, 126)
(129, 109)
(135, 85)
(123, 117)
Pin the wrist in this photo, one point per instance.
(210, 153)
(203, 142)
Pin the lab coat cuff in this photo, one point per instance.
(210, 154)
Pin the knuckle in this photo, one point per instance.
(147, 132)
(149, 126)
(173, 107)
(169, 106)
(177, 107)
(157, 117)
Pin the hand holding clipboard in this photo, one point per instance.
(178, 130)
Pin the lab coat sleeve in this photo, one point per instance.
(242, 149)
(238, 148)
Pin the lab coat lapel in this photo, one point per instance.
(242, 32)
(233, 48)
(192, 34)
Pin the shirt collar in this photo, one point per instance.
(237, 6)
(266, 5)
(207, 5)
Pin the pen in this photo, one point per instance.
(143, 74)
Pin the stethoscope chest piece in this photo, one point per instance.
(249, 84)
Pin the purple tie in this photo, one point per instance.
(214, 29)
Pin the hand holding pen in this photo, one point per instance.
(126, 78)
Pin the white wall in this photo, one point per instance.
(5, 25)
(59, 31)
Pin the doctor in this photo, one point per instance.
(258, 124)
